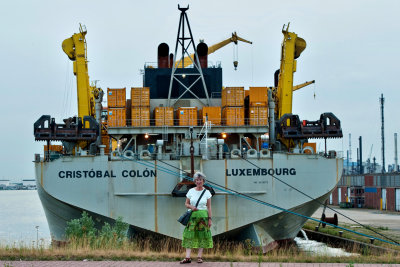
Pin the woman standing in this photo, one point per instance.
(197, 232)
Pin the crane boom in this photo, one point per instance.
(292, 47)
(75, 48)
(233, 39)
(299, 86)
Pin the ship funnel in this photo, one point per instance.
(202, 52)
(171, 60)
(163, 55)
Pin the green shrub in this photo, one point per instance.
(82, 232)
(82, 227)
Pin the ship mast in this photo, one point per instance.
(179, 74)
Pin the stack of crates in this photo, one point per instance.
(140, 101)
(116, 102)
(232, 99)
(164, 116)
(212, 114)
(187, 116)
(258, 106)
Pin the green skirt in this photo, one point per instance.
(197, 234)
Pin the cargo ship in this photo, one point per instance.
(134, 158)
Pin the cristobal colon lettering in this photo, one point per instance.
(106, 174)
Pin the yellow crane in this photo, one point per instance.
(292, 47)
(234, 39)
(75, 48)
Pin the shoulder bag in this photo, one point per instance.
(184, 219)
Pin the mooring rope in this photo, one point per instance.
(319, 202)
(233, 192)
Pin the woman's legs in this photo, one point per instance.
(200, 253)
(188, 251)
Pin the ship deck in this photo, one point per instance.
(184, 129)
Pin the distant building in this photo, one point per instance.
(4, 184)
(29, 182)
(373, 190)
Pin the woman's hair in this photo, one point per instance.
(200, 175)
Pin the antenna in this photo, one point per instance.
(382, 101)
(179, 74)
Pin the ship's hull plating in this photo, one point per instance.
(140, 192)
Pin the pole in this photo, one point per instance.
(361, 163)
(395, 153)
(382, 101)
(37, 236)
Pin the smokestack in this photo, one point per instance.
(202, 53)
(382, 101)
(162, 55)
(171, 61)
(358, 162)
(361, 163)
(396, 168)
(350, 147)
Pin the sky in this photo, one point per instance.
(352, 53)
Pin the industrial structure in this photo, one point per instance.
(373, 186)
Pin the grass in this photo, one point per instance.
(110, 243)
(169, 249)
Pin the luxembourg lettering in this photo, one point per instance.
(260, 172)
(106, 174)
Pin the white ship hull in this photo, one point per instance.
(140, 192)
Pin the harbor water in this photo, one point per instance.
(23, 223)
(22, 219)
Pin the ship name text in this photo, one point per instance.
(260, 172)
(106, 174)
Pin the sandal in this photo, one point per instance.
(199, 260)
(185, 260)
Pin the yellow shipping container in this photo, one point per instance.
(116, 117)
(233, 116)
(213, 114)
(232, 96)
(114, 144)
(116, 98)
(187, 116)
(140, 116)
(258, 96)
(105, 140)
(164, 116)
(258, 115)
(55, 148)
(140, 96)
